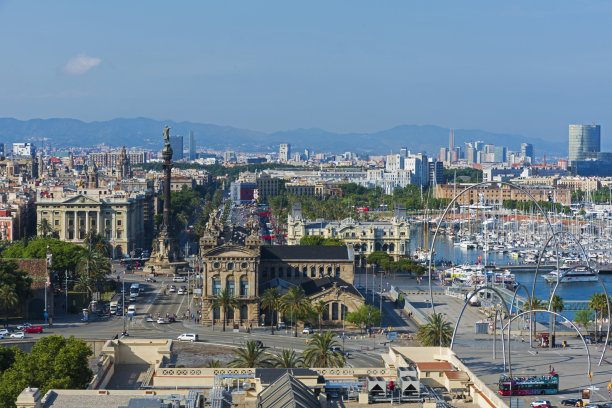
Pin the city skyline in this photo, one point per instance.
(344, 69)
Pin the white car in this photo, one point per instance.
(17, 335)
(23, 326)
(188, 337)
(179, 279)
(181, 291)
(307, 330)
(161, 320)
(4, 332)
(149, 318)
(541, 403)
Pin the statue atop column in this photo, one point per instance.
(167, 256)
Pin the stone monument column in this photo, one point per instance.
(167, 166)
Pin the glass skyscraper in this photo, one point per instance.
(584, 141)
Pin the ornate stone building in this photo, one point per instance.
(119, 216)
(365, 237)
(123, 165)
(235, 259)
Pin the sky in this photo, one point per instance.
(524, 67)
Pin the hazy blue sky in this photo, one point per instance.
(528, 67)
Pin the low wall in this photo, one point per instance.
(138, 351)
(26, 345)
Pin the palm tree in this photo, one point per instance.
(597, 304)
(270, 301)
(8, 300)
(319, 352)
(213, 364)
(225, 300)
(251, 355)
(320, 308)
(45, 228)
(85, 284)
(436, 330)
(556, 306)
(583, 317)
(535, 304)
(287, 359)
(296, 302)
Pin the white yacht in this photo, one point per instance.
(568, 276)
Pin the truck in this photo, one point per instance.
(114, 305)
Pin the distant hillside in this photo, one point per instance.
(143, 132)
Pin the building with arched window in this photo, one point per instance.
(232, 259)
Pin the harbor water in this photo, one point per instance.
(445, 250)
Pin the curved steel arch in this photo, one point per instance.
(480, 289)
(588, 265)
(603, 351)
(563, 317)
(512, 305)
(537, 270)
(433, 242)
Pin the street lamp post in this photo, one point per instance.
(123, 301)
(343, 314)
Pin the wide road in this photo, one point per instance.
(364, 351)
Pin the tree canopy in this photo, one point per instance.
(66, 255)
(54, 362)
(364, 315)
(320, 240)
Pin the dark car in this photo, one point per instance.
(259, 344)
(570, 402)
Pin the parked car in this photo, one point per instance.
(307, 330)
(188, 337)
(4, 332)
(282, 325)
(179, 279)
(17, 335)
(33, 329)
(23, 326)
(541, 404)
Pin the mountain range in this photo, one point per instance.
(147, 133)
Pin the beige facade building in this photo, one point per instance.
(236, 260)
(496, 194)
(119, 216)
(364, 237)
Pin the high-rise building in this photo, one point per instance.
(584, 141)
(404, 152)
(284, 152)
(176, 142)
(499, 154)
(443, 154)
(192, 146)
(527, 151)
(23, 149)
(470, 155)
(451, 140)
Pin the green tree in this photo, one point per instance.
(320, 308)
(85, 284)
(556, 306)
(225, 300)
(17, 282)
(378, 258)
(213, 364)
(8, 300)
(584, 317)
(535, 305)
(435, 330)
(364, 315)
(251, 355)
(287, 359)
(295, 303)
(319, 352)
(270, 301)
(598, 304)
(66, 255)
(46, 229)
(7, 357)
(53, 362)
(312, 240)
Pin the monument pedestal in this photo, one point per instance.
(166, 257)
